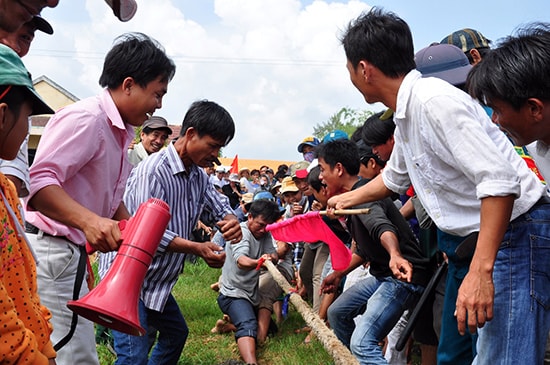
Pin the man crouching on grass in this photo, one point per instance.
(239, 296)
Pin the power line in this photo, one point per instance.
(37, 52)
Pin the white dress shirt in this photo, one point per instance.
(448, 148)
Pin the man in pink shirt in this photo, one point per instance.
(78, 179)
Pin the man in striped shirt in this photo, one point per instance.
(176, 176)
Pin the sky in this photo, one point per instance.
(277, 66)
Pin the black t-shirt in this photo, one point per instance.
(366, 229)
(234, 198)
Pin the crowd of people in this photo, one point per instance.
(453, 171)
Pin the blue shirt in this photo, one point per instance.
(188, 193)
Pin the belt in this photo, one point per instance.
(32, 229)
(545, 199)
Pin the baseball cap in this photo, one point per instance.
(335, 135)
(299, 169)
(262, 194)
(466, 39)
(288, 185)
(13, 72)
(220, 168)
(443, 61)
(309, 141)
(156, 122)
(234, 177)
(41, 24)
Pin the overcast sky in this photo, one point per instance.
(276, 65)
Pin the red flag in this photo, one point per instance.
(310, 228)
(235, 165)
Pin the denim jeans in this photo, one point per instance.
(521, 320)
(242, 313)
(385, 300)
(172, 334)
(454, 348)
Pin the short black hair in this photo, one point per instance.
(265, 208)
(517, 70)
(209, 118)
(14, 98)
(376, 131)
(383, 39)
(313, 178)
(365, 154)
(341, 151)
(138, 56)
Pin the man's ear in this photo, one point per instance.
(476, 56)
(339, 169)
(535, 108)
(365, 69)
(127, 84)
(3, 115)
(190, 132)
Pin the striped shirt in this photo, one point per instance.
(188, 193)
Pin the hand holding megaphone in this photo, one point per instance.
(103, 234)
(141, 236)
(116, 237)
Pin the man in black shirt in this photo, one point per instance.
(384, 239)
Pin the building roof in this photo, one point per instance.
(254, 163)
(56, 86)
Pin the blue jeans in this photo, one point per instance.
(385, 301)
(172, 334)
(519, 328)
(242, 314)
(454, 348)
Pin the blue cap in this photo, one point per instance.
(309, 141)
(263, 195)
(335, 135)
(443, 61)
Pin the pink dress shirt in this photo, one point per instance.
(83, 150)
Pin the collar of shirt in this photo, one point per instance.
(404, 93)
(112, 111)
(176, 164)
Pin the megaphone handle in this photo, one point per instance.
(121, 225)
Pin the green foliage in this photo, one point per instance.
(137, 134)
(346, 119)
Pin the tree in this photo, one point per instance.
(346, 119)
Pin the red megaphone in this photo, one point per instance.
(113, 303)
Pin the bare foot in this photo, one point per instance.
(223, 327)
(310, 336)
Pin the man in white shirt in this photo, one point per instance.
(468, 178)
(520, 103)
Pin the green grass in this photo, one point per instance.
(200, 309)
